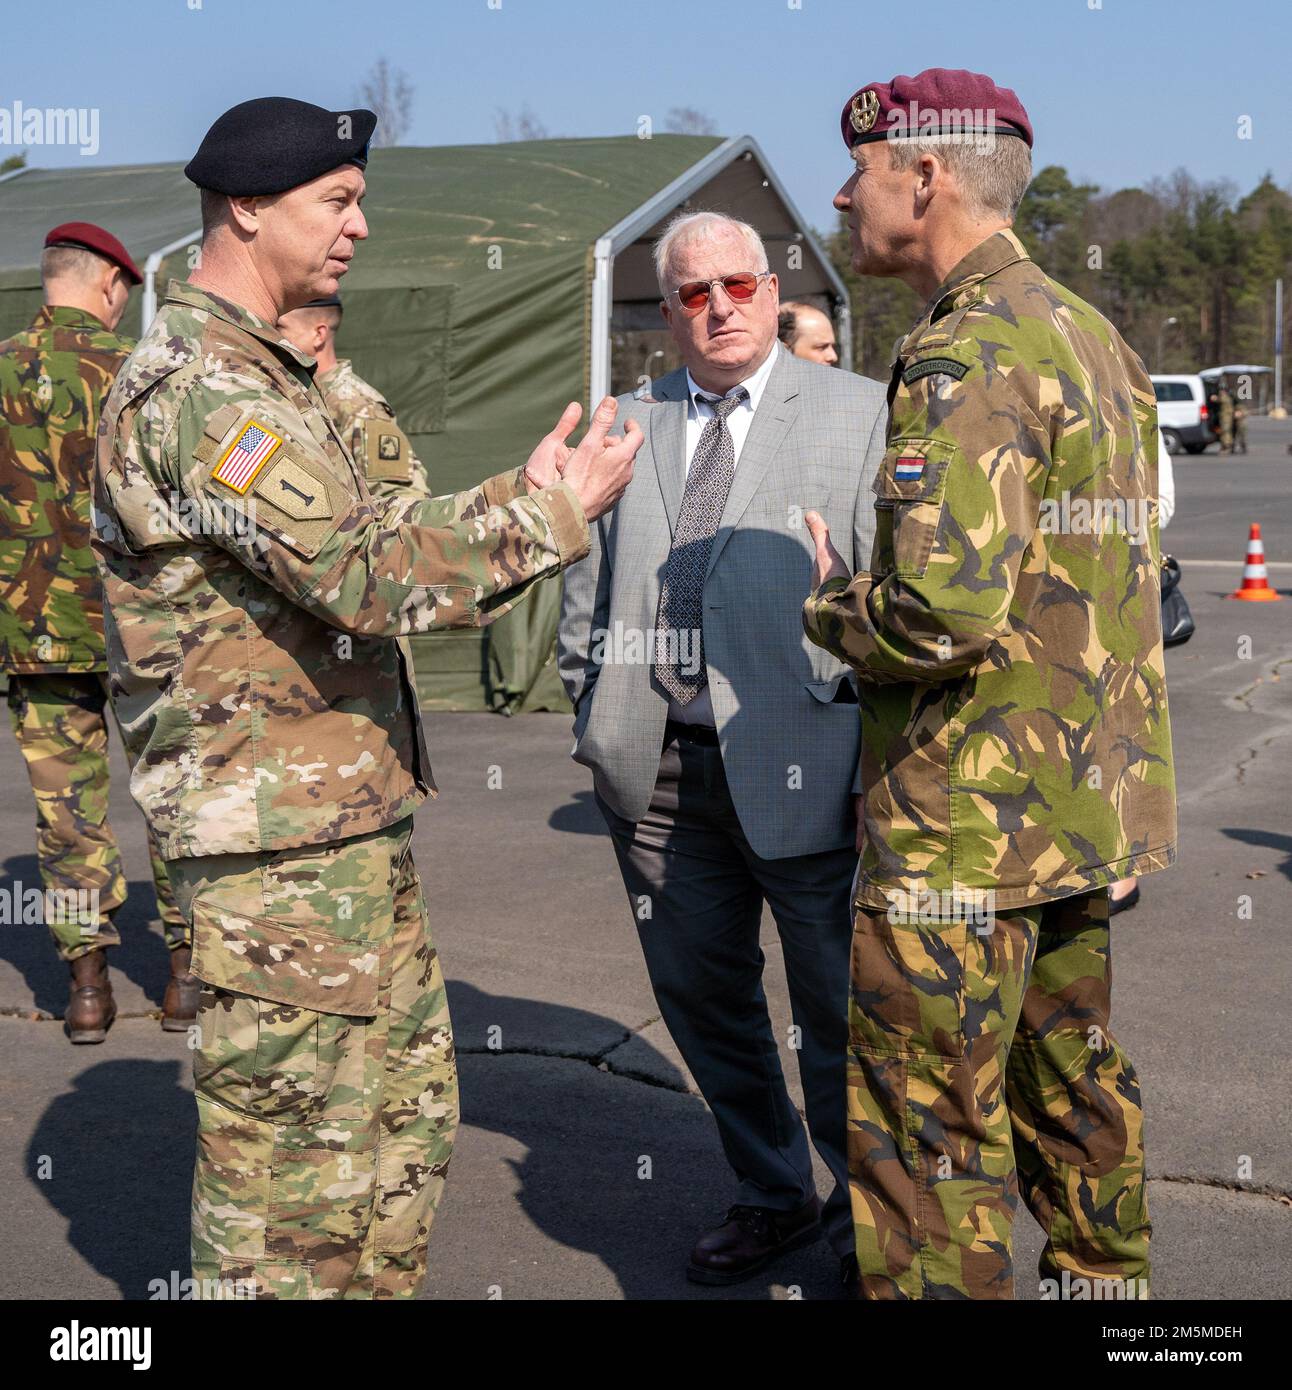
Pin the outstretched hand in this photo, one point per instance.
(601, 467)
(551, 453)
(829, 563)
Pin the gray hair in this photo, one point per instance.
(689, 227)
(75, 263)
(992, 175)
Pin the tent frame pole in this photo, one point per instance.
(152, 265)
(599, 355)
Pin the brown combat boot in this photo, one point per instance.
(179, 1008)
(91, 1008)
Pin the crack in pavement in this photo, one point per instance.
(600, 1059)
(1247, 1189)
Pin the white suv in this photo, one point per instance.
(1182, 413)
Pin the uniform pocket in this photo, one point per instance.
(908, 983)
(279, 1014)
(910, 490)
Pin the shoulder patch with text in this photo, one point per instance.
(931, 365)
(245, 458)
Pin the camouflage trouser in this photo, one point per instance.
(980, 1063)
(324, 1069)
(61, 724)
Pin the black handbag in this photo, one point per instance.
(1177, 622)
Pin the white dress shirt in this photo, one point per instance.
(699, 412)
(699, 710)
(1165, 484)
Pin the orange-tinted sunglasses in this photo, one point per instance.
(740, 287)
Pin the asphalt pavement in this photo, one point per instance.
(586, 1164)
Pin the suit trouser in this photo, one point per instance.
(61, 723)
(688, 860)
(981, 1063)
(325, 1074)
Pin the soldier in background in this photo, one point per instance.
(1240, 428)
(1225, 404)
(362, 414)
(807, 332)
(54, 378)
(1016, 752)
(257, 598)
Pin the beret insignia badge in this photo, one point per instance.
(865, 108)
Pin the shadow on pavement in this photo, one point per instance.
(578, 817)
(118, 1152)
(1265, 839)
(588, 1139)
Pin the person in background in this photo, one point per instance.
(360, 412)
(1225, 404)
(1240, 429)
(807, 332)
(54, 377)
(1124, 894)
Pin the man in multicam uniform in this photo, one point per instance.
(362, 415)
(54, 378)
(1016, 749)
(257, 595)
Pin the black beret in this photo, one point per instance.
(272, 144)
(329, 301)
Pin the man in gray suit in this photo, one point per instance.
(724, 746)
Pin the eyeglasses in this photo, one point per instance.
(740, 287)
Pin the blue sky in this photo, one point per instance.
(1119, 91)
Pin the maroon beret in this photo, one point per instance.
(937, 101)
(91, 238)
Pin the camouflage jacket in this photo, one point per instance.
(54, 378)
(256, 595)
(368, 428)
(1008, 638)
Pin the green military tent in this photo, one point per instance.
(499, 283)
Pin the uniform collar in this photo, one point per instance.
(986, 259)
(180, 292)
(342, 369)
(65, 316)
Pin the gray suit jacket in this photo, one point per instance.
(785, 710)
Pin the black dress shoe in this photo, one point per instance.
(750, 1238)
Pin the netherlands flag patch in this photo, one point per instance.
(909, 469)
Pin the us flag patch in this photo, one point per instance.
(909, 469)
(246, 456)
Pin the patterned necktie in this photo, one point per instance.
(708, 481)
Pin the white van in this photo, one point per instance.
(1182, 413)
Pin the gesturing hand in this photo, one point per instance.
(602, 466)
(551, 452)
(829, 563)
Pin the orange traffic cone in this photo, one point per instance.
(1255, 587)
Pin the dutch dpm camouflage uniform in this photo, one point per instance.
(1016, 760)
(370, 431)
(257, 598)
(54, 377)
